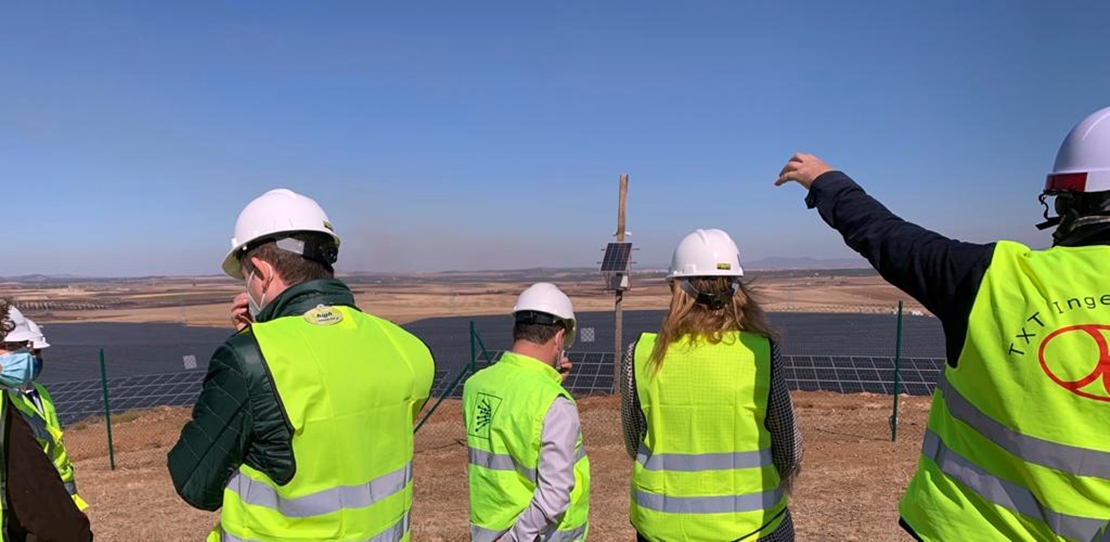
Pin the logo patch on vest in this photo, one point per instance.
(323, 316)
(485, 408)
(1088, 376)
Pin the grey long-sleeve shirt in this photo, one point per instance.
(555, 474)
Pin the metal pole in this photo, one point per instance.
(482, 347)
(618, 312)
(897, 375)
(617, 342)
(107, 411)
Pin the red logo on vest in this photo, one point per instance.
(1096, 384)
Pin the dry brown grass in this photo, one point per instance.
(205, 301)
(851, 481)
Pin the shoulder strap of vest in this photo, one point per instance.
(245, 346)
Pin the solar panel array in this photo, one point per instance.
(855, 374)
(616, 258)
(592, 373)
(83, 399)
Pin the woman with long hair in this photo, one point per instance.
(706, 413)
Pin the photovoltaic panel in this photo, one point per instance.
(616, 257)
(592, 373)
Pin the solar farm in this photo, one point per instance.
(131, 386)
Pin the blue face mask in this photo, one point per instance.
(36, 367)
(17, 368)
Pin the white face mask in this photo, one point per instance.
(254, 307)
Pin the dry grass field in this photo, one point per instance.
(204, 301)
(851, 480)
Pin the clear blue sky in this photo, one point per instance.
(466, 135)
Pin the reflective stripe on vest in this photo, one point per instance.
(327, 501)
(57, 452)
(702, 462)
(478, 534)
(494, 461)
(764, 500)
(1064, 458)
(39, 429)
(1006, 494)
(396, 532)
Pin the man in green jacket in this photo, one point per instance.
(303, 430)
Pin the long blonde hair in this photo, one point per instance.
(689, 318)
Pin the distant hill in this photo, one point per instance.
(521, 275)
(808, 263)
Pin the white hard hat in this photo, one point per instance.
(279, 211)
(39, 340)
(22, 331)
(1083, 162)
(546, 299)
(706, 253)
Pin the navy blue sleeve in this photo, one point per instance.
(942, 274)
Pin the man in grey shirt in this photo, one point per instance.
(528, 471)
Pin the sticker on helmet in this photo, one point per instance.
(323, 316)
(724, 266)
(328, 226)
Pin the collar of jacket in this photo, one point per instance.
(531, 364)
(1095, 234)
(301, 298)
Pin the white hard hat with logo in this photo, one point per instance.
(38, 342)
(22, 331)
(545, 303)
(1083, 162)
(269, 216)
(705, 253)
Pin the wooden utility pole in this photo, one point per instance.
(617, 352)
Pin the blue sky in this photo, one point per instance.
(470, 135)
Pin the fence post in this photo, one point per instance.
(481, 344)
(897, 375)
(107, 411)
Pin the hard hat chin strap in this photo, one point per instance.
(714, 301)
(1049, 221)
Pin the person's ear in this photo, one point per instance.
(264, 271)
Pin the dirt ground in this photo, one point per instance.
(851, 480)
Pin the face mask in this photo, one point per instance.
(17, 368)
(36, 367)
(253, 306)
